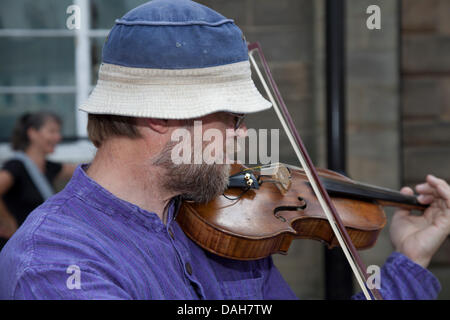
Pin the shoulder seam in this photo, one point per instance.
(30, 240)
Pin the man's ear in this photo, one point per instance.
(158, 125)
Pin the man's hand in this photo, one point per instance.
(419, 237)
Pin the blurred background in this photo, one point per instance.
(396, 92)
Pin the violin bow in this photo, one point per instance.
(333, 217)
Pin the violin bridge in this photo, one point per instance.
(278, 173)
(283, 177)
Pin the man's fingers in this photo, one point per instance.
(441, 186)
(407, 190)
(423, 198)
(433, 189)
(426, 199)
(426, 188)
(434, 186)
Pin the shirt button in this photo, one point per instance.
(188, 268)
(171, 233)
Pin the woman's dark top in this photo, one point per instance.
(23, 196)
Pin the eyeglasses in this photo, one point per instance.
(238, 119)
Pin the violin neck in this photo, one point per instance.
(383, 196)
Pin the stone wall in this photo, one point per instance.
(373, 106)
(425, 73)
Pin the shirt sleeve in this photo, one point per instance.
(403, 279)
(66, 283)
(14, 167)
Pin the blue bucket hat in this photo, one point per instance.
(174, 59)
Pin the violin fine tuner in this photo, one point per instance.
(243, 180)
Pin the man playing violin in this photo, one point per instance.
(112, 232)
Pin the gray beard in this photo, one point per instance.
(196, 182)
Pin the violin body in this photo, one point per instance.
(264, 221)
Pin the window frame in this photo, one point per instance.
(77, 148)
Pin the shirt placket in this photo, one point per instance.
(176, 236)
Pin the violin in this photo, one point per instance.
(261, 213)
(265, 208)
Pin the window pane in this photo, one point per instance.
(12, 106)
(37, 61)
(32, 14)
(96, 49)
(105, 12)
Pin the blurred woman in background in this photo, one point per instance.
(26, 179)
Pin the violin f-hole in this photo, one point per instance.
(302, 203)
(276, 211)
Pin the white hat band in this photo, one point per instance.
(174, 94)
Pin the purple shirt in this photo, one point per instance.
(85, 243)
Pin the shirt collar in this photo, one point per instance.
(93, 194)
